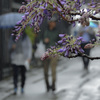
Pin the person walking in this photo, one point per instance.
(20, 54)
(88, 36)
(50, 37)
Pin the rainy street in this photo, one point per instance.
(49, 49)
(73, 83)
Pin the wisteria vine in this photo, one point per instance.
(69, 47)
(36, 10)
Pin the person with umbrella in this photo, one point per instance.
(20, 54)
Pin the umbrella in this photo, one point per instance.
(9, 20)
(93, 25)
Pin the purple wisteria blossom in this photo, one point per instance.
(72, 46)
(35, 11)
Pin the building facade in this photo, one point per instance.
(6, 6)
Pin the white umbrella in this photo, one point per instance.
(9, 20)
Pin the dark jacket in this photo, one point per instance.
(53, 36)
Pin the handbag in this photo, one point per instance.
(40, 50)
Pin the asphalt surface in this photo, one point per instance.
(73, 83)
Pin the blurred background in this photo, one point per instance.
(9, 8)
(74, 80)
(6, 6)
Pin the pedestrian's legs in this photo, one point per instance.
(83, 58)
(88, 53)
(23, 76)
(87, 62)
(46, 68)
(86, 59)
(15, 77)
(53, 69)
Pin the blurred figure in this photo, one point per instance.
(21, 53)
(50, 37)
(88, 36)
(33, 37)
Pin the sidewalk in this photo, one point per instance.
(6, 86)
(33, 76)
(79, 85)
(72, 82)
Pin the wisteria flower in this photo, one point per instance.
(89, 46)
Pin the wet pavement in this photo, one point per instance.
(73, 83)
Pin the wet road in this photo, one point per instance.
(72, 82)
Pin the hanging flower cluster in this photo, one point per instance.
(36, 10)
(67, 46)
(70, 47)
